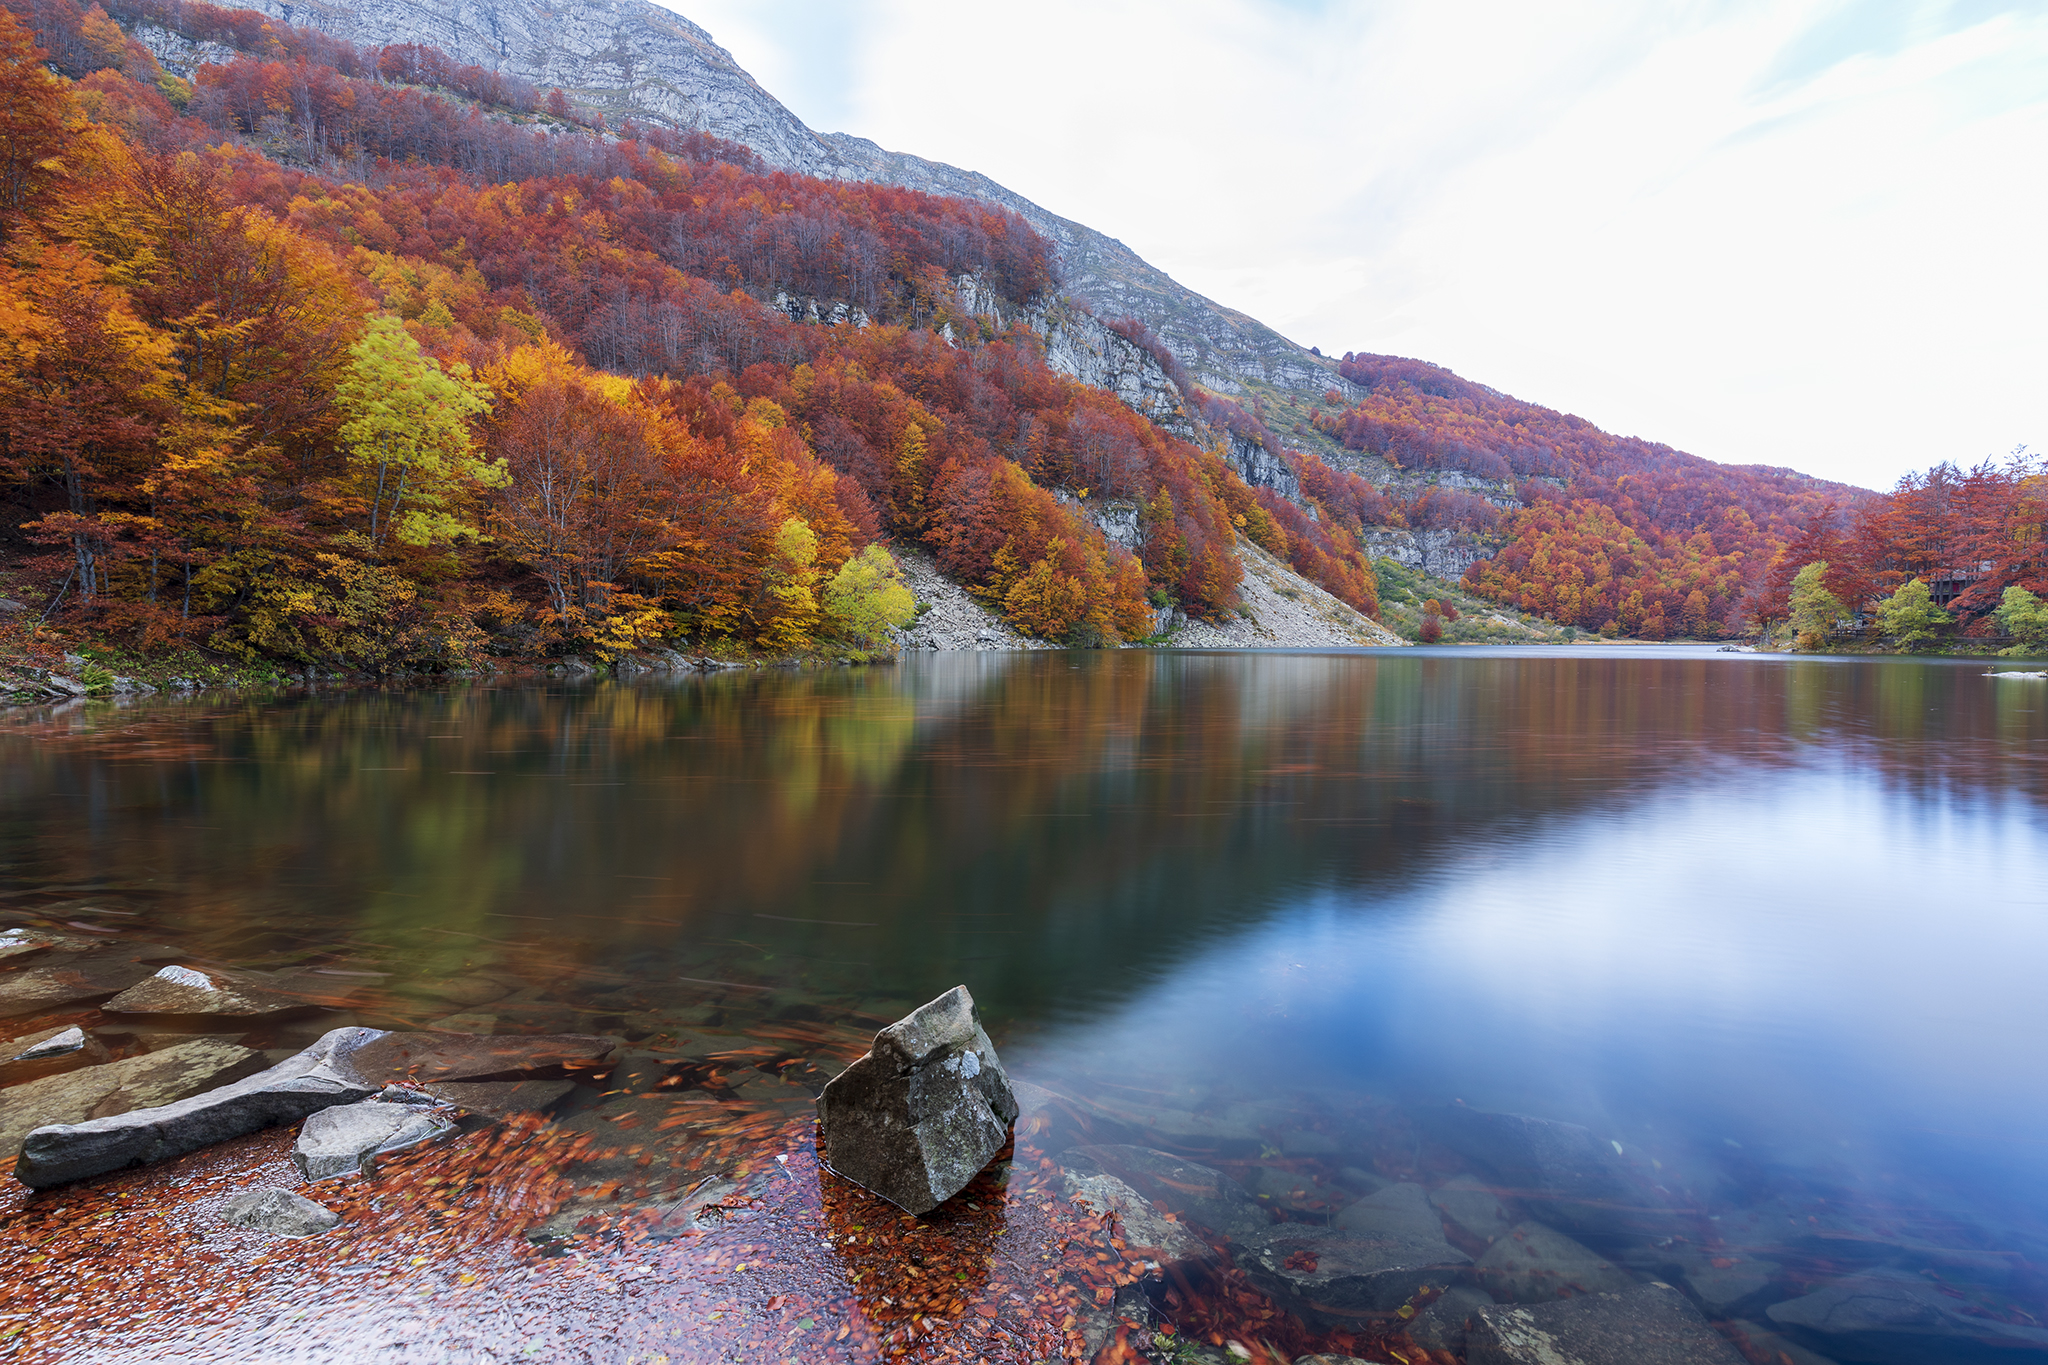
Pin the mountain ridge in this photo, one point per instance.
(635, 60)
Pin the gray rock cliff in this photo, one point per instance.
(631, 59)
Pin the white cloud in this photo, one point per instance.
(1799, 233)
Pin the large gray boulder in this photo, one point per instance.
(928, 1106)
(349, 1138)
(1649, 1325)
(312, 1080)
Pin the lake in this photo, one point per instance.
(1773, 929)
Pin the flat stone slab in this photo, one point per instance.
(1202, 1196)
(1147, 1232)
(1339, 1278)
(1567, 1176)
(281, 1212)
(502, 1099)
(929, 1105)
(1473, 1206)
(50, 1052)
(1402, 1209)
(189, 991)
(1890, 1317)
(1535, 1264)
(134, 1083)
(348, 1138)
(80, 982)
(1652, 1324)
(315, 1079)
(430, 1058)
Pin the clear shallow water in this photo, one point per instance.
(1775, 925)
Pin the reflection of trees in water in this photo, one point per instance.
(1049, 825)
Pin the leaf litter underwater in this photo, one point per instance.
(438, 1256)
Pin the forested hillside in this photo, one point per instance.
(302, 361)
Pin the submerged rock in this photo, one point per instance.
(1651, 1324)
(279, 1211)
(1473, 1206)
(1535, 1264)
(315, 1079)
(189, 992)
(502, 1099)
(1336, 1277)
(1889, 1317)
(51, 1052)
(1404, 1209)
(117, 1088)
(1195, 1193)
(350, 1137)
(430, 1058)
(918, 1117)
(1442, 1326)
(1147, 1233)
(78, 982)
(1567, 1176)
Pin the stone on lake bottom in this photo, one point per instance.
(1442, 1325)
(1891, 1317)
(314, 1079)
(117, 1088)
(78, 982)
(1568, 1176)
(1339, 1278)
(429, 1058)
(50, 1053)
(1402, 1208)
(1196, 1194)
(1473, 1206)
(502, 1099)
(1147, 1234)
(1536, 1264)
(923, 1111)
(350, 1137)
(186, 992)
(1652, 1324)
(280, 1212)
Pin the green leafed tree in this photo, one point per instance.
(2024, 617)
(1814, 609)
(412, 461)
(866, 597)
(1910, 617)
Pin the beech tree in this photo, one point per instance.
(408, 439)
(867, 597)
(1910, 617)
(1814, 609)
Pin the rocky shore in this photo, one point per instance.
(317, 1150)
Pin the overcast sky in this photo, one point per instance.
(1802, 232)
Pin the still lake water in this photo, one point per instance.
(1778, 925)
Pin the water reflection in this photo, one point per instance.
(1772, 924)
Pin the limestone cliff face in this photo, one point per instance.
(634, 59)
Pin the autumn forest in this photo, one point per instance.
(348, 357)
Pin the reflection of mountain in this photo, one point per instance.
(1053, 826)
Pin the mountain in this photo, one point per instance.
(632, 60)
